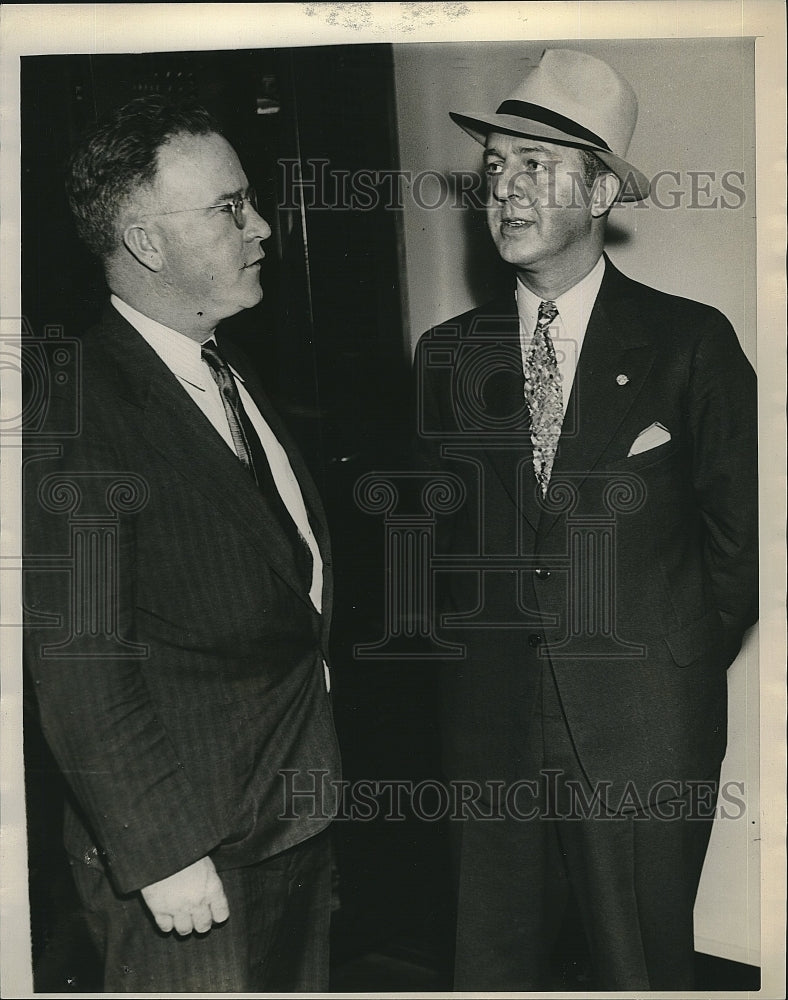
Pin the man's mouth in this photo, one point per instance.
(515, 223)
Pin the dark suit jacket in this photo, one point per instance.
(175, 653)
(637, 575)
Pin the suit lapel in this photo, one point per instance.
(505, 402)
(615, 360)
(176, 428)
(309, 491)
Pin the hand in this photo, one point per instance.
(191, 899)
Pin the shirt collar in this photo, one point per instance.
(574, 306)
(181, 354)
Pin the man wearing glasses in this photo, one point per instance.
(178, 653)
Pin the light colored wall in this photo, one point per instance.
(697, 100)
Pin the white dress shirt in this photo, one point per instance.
(568, 329)
(183, 357)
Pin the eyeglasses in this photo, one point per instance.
(236, 206)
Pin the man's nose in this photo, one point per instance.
(499, 189)
(505, 185)
(514, 184)
(255, 226)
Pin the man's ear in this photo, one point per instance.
(143, 246)
(604, 193)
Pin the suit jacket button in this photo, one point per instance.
(542, 574)
(535, 639)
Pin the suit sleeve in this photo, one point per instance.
(723, 428)
(85, 660)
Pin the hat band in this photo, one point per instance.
(522, 109)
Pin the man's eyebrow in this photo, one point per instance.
(229, 195)
(491, 151)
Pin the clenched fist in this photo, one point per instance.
(192, 899)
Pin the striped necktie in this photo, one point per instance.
(252, 455)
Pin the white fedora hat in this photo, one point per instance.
(571, 99)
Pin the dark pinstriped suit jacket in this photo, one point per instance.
(175, 653)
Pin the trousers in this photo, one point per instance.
(275, 940)
(634, 876)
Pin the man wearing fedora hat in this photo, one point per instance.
(605, 552)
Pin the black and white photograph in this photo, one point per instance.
(393, 499)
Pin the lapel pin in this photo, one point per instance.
(622, 379)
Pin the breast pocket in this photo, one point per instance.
(663, 453)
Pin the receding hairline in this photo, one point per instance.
(118, 158)
(171, 143)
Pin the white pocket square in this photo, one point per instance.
(651, 437)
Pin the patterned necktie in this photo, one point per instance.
(252, 455)
(544, 395)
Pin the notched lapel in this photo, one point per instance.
(615, 360)
(197, 452)
(173, 425)
(508, 450)
(309, 491)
